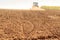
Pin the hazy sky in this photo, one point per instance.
(26, 4)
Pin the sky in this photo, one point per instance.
(26, 4)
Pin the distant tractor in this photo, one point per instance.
(35, 4)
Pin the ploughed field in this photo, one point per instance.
(29, 25)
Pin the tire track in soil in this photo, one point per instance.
(24, 24)
(27, 27)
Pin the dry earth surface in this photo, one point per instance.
(29, 25)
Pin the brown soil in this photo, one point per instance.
(29, 25)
